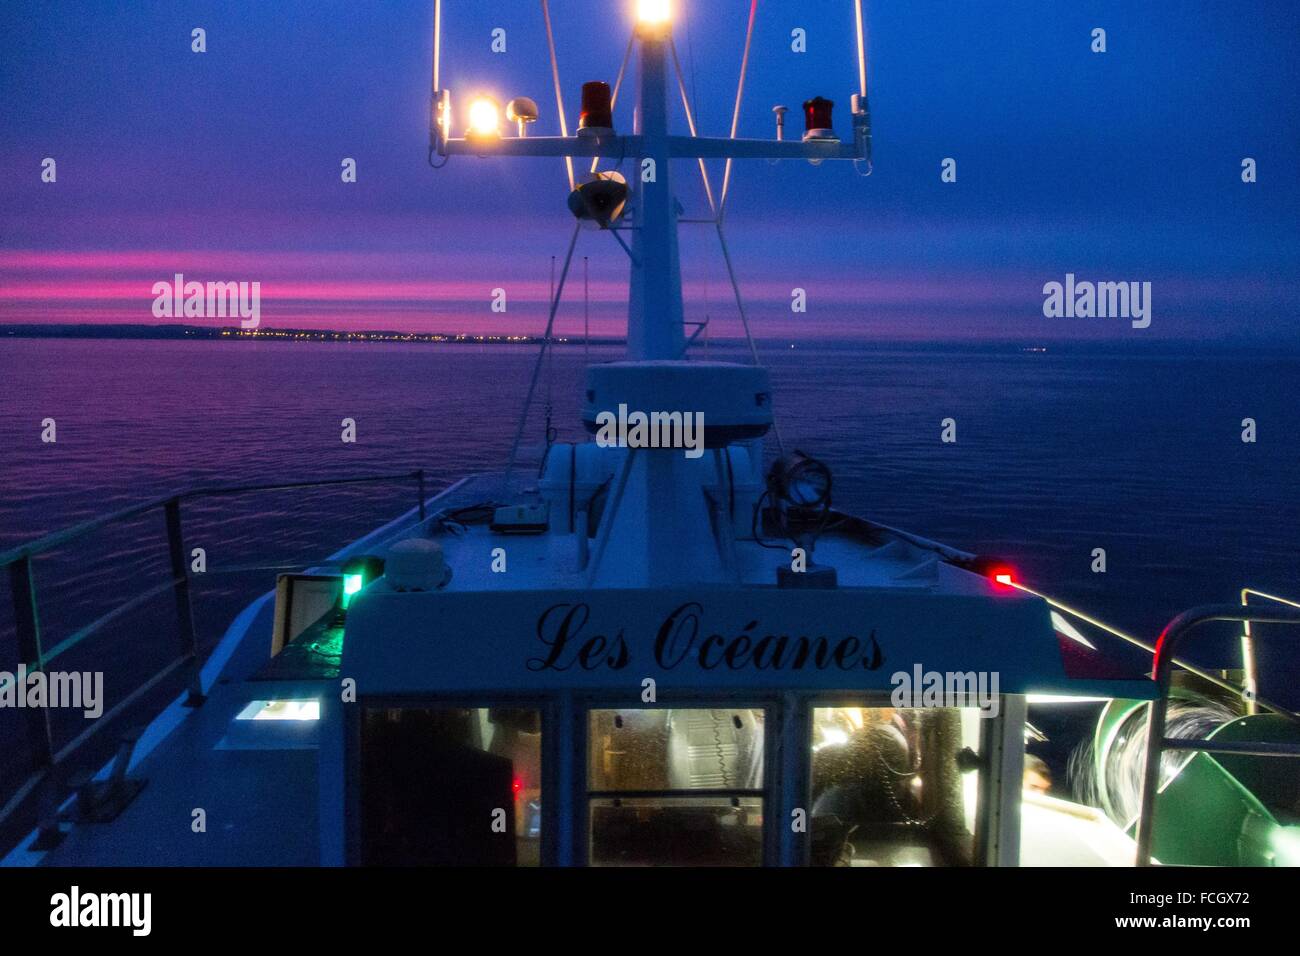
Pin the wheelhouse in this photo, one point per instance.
(706, 727)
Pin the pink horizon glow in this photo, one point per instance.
(401, 291)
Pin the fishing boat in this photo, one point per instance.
(663, 645)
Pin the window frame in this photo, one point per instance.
(770, 704)
(997, 817)
(787, 764)
(352, 753)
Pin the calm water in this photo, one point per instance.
(1056, 456)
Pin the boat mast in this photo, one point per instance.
(657, 526)
(655, 315)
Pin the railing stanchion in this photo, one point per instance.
(1158, 710)
(27, 623)
(46, 785)
(184, 612)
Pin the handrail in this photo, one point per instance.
(1247, 692)
(31, 651)
(56, 538)
(1249, 667)
(1175, 631)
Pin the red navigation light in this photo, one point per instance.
(817, 117)
(1004, 575)
(597, 107)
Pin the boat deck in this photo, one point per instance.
(257, 786)
(258, 781)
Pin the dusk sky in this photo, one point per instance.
(225, 165)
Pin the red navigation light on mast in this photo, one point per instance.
(817, 118)
(597, 116)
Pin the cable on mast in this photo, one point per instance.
(437, 43)
(559, 96)
(717, 209)
(735, 115)
(437, 106)
(541, 356)
(862, 51)
(548, 431)
(690, 122)
(618, 84)
(861, 101)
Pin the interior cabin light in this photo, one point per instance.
(817, 118)
(280, 710)
(1064, 699)
(597, 116)
(484, 118)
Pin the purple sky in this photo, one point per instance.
(224, 166)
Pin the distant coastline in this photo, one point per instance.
(1138, 345)
(268, 334)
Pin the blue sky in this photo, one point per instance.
(225, 165)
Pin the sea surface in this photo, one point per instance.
(1056, 455)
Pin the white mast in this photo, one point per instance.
(657, 526)
(654, 317)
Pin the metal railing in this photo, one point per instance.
(32, 652)
(1248, 663)
(1247, 691)
(1174, 633)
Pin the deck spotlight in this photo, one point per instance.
(800, 481)
(484, 118)
(521, 111)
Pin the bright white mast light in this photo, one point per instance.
(484, 117)
(654, 11)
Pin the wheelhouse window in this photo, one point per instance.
(894, 787)
(450, 787)
(676, 787)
